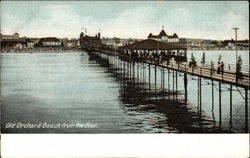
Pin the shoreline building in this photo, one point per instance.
(15, 42)
(49, 42)
(90, 42)
(164, 37)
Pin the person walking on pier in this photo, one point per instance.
(218, 68)
(222, 67)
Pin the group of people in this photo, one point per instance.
(220, 68)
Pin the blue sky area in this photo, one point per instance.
(207, 20)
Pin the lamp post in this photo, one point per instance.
(236, 29)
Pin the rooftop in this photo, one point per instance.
(162, 33)
(150, 44)
(49, 39)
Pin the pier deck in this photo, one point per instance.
(228, 77)
(199, 73)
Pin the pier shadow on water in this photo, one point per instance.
(170, 112)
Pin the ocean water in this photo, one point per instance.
(66, 89)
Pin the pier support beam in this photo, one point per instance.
(173, 85)
(163, 78)
(231, 105)
(212, 95)
(138, 72)
(168, 80)
(149, 75)
(130, 66)
(185, 86)
(133, 71)
(155, 75)
(124, 69)
(155, 82)
(200, 93)
(143, 70)
(176, 83)
(246, 109)
(220, 104)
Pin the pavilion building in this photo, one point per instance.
(164, 37)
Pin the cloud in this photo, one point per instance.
(137, 21)
(133, 22)
(57, 21)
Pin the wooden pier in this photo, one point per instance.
(157, 55)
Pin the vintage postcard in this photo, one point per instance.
(93, 68)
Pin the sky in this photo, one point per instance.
(126, 19)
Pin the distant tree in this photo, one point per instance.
(130, 40)
(215, 43)
(225, 42)
(203, 59)
(220, 44)
(219, 58)
(117, 40)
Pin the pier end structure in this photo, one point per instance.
(154, 49)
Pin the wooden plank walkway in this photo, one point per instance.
(228, 77)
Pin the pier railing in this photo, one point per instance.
(227, 66)
(205, 71)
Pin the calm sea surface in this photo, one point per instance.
(71, 88)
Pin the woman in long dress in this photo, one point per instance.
(218, 68)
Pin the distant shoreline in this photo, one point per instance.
(43, 51)
(217, 49)
(81, 51)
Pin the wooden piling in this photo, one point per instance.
(168, 80)
(200, 92)
(246, 109)
(176, 83)
(149, 75)
(133, 71)
(163, 78)
(124, 69)
(138, 72)
(130, 68)
(212, 95)
(220, 104)
(144, 72)
(155, 74)
(200, 84)
(185, 86)
(231, 104)
(173, 85)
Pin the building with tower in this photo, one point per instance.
(89, 42)
(164, 37)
